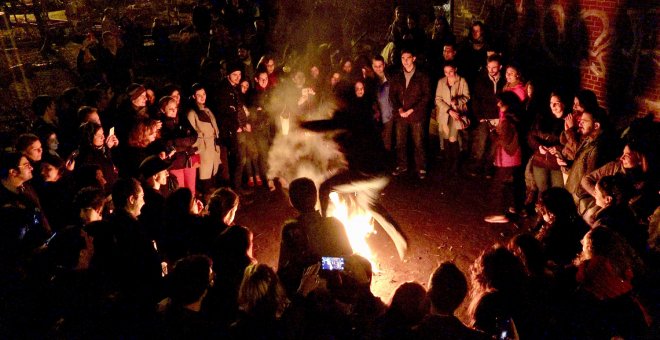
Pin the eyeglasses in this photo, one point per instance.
(26, 165)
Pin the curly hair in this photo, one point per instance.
(496, 269)
(607, 243)
(139, 135)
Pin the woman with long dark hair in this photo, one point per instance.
(545, 133)
(95, 149)
(203, 121)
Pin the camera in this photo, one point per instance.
(332, 263)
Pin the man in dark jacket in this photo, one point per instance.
(410, 94)
(231, 115)
(487, 85)
(309, 236)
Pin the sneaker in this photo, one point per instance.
(496, 219)
(399, 170)
(421, 174)
(259, 181)
(250, 182)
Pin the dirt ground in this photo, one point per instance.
(442, 218)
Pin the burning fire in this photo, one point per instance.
(358, 224)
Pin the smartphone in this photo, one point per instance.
(112, 131)
(332, 263)
(74, 154)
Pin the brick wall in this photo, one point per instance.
(620, 65)
(599, 17)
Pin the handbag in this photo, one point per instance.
(462, 123)
(193, 161)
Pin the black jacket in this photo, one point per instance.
(416, 95)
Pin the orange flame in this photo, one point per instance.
(359, 226)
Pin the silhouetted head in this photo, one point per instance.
(303, 194)
(447, 288)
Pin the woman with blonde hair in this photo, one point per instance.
(177, 134)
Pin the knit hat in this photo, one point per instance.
(233, 67)
(135, 90)
(153, 165)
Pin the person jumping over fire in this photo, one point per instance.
(365, 176)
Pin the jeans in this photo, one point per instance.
(546, 178)
(241, 159)
(261, 140)
(186, 178)
(481, 146)
(387, 134)
(507, 189)
(402, 127)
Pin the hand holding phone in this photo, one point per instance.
(310, 279)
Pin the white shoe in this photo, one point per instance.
(496, 219)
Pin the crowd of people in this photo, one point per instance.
(118, 204)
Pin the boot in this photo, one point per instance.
(453, 150)
(206, 187)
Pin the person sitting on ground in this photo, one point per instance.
(584, 101)
(562, 227)
(262, 302)
(633, 165)
(231, 254)
(407, 309)
(612, 195)
(354, 292)
(220, 213)
(447, 289)
(309, 236)
(182, 221)
(180, 314)
(498, 295)
(605, 305)
(593, 152)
